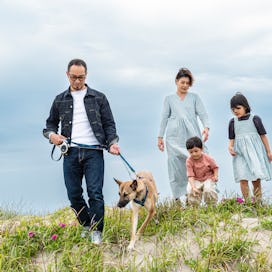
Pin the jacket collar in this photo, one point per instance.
(89, 91)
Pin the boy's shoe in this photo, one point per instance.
(96, 237)
(85, 232)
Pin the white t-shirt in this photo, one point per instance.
(82, 132)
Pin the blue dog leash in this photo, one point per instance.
(95, 147)
(100, 147)
(128, 165)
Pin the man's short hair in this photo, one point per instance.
(194, 142)
(77, 62)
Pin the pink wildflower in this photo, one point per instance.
(54, 237)
(253, 199)
(31, 234)
(62, 225)
(239, 200)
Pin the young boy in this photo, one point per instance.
(202, 173)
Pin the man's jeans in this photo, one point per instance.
(89, 163)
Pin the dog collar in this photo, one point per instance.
(142, 202)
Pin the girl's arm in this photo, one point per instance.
(231, 150)
(231, 137)
(267, 147)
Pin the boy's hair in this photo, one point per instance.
(194, 142)
(239, 100)
(77, 62)
(184, 72)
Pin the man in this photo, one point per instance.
(87, 124)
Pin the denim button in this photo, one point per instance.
(71, 106)
(70, 122)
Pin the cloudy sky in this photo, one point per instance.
(133, 51)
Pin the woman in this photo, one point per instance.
(180, 115)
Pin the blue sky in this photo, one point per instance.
(133, 52)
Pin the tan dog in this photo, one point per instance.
(142, 192)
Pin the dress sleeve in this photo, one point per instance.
(202, 113)
(259, 125)
(165, 115)
(231, 129)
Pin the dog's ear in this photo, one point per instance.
(117, 181)
(134, 185)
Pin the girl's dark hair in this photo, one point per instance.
(184, 72)
(194, 142)
(77, 62)
(239, 100)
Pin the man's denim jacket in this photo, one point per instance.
(98, 112)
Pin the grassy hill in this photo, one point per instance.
(233, 236)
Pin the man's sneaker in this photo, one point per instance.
(96, 237)
(85, 232)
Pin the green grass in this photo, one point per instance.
(198, 239)
(266, 224)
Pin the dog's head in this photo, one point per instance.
(127, 191)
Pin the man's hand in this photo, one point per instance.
(57, 139)
(114, 149)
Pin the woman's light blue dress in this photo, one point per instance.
(181, 119)
(251, 161)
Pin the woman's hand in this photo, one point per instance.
(205, 134)
(160, 144)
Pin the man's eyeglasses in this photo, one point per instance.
(74, 77)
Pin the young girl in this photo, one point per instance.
(249, 147)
